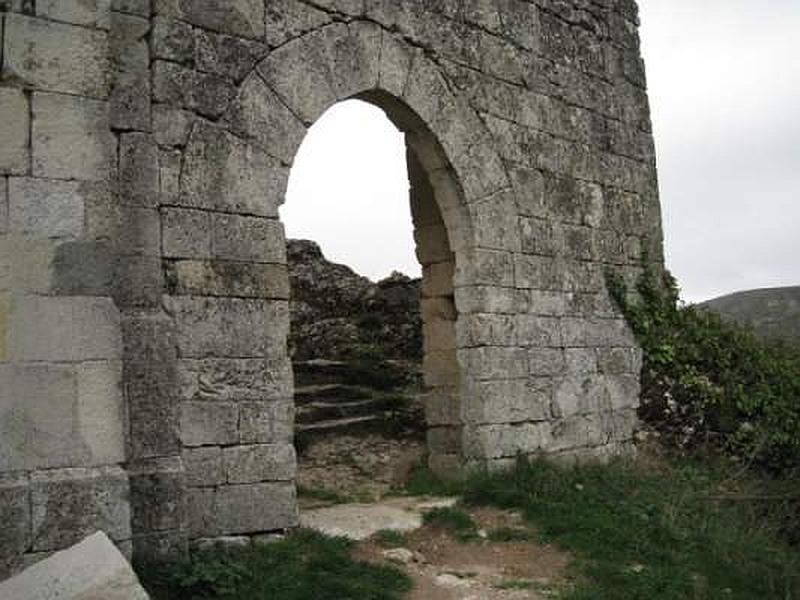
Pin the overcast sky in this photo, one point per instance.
(724, 84)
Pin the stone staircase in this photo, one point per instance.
(339, 397)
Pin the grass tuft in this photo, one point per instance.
(455, 521)
(390, 538)
(305, 565)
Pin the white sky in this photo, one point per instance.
(724, 84)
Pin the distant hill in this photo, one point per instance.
(774, 313)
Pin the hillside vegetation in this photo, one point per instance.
(773, 313)
(711, 384)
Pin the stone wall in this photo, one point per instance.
(145, 387)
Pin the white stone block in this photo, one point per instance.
(91, 569)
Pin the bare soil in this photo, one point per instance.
(359, 467)
(446, 568)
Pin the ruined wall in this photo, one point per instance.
(145, 146)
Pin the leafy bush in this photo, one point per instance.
(706, 382)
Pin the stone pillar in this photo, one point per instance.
(440, 363)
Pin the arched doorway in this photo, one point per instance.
(366, 384)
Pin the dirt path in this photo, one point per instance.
(366, 471)
(446, 568)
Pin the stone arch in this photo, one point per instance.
(448, 150)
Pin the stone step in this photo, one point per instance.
(381, 375)
(337, 426)
(317, 411)
(330, 392)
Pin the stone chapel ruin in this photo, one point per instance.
(145, 386)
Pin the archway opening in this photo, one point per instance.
(376, 378)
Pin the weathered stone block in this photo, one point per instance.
(266, 422)
(437, 279)
(227, 56)
(94, 568)
(138, 169)
(14, 142)
(545, 362)
(235, 379)
(395, 64)
(255, 507)
(56, 57)
(494, 362)
(130, 90)
(185, 233)
(587, 332)
(244, 18)
(224, 173)
(203, 466)
(15, 514)
(486, 267)
(181, 87)
(442, 406)
(77, 410)
(83, 269)
(46, 208)
(93, 13)
(507, 440)
(200, 512)
(25, 263)
(248, 239)
(171, 127)
(262, 462)
(539, 332)
(299, 73)
(486, 330)
(506, 401)
(69, 504)
(226, 278)
(173, 40)
(64, 329)
(158, 500)
(259, 115)
(354, 56)
(619, 361)
(207, 423)
(581, 360)
(71, 138)
(253, 328)
(150, 357)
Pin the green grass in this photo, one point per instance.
(322, 494)
(638, 534)
(455, 521)
(390, 538)
(510, 534)
(304, 566)
(423, 482)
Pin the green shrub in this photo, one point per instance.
(710, 383)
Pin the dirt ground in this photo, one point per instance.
(359, 467)
(445, 568)
(366, 468)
